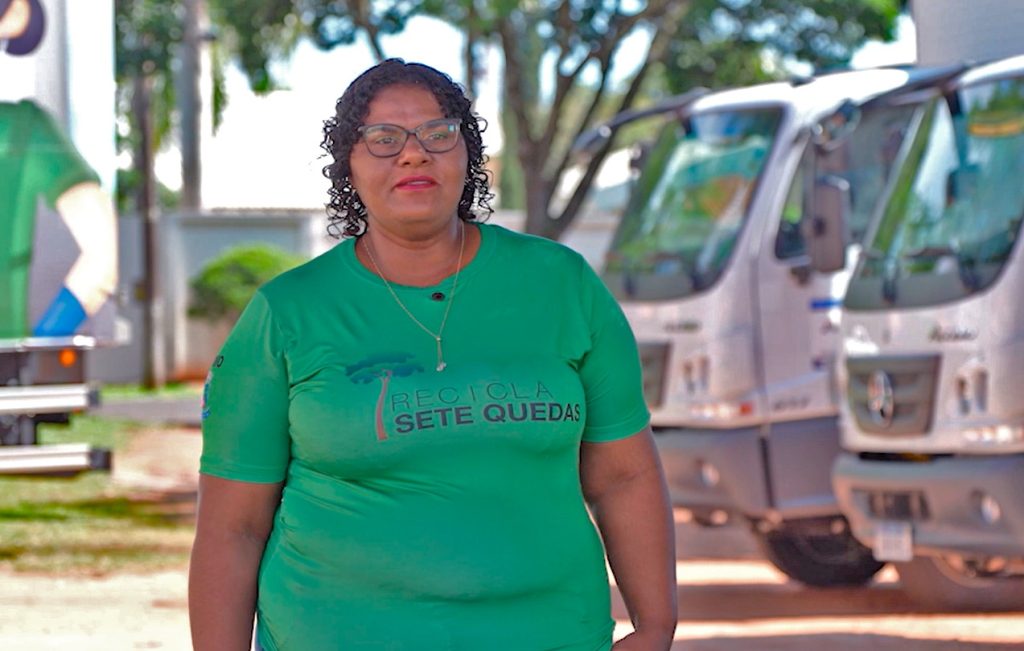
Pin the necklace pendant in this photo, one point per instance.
(441, 366)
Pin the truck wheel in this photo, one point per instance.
(947, 582)
(709, 518)
(816, 559)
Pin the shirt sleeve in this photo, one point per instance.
(610, 371)
(245, 402)
(54, 165)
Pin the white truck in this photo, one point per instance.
(58, 230)
(933, 353)
(737, 334)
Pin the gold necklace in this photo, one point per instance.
(451, 296)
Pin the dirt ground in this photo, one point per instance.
(730, 599)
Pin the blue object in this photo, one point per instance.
(825, 303)
(63, 316)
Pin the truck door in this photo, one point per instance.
(799, 338)
(801, 311)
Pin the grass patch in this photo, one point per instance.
(139, 392)
(87, 524)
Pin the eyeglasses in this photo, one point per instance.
(386, 140)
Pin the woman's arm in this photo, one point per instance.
(234, 520)
(624, 484)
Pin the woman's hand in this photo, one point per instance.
(233, 522)
(624, 484)
(646, 640)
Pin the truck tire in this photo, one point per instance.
(818, 559)
(942, 582)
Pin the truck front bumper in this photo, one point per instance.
(950, 502)
(714, 469)
(781, 472)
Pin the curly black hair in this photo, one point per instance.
(346, 214)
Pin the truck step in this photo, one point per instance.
(62, 460)
(47, 398)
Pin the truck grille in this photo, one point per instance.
(892, 395)
(653, 358)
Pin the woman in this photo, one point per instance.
(399, 435)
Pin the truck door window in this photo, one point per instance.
(789, 241)
(956, 206)
(690, 204)
(865, 159)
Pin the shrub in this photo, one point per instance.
(226, 284)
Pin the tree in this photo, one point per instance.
(260, 31)
(574, 44)
(692, 42)
(745, 42)
(727, 39)
(147, 33)
(153, 39)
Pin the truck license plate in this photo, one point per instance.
(894, 541)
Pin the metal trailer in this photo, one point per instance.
(70, 75)
(43, 382)
(738, 335)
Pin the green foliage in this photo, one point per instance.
(257, 32)
(128, 186)
(128, 392)
(727, 43)
(260, 32)
(226, 284)
(147, 35)
(711, 43)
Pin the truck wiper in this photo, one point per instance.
(965, 264)
(889, 274)
(889, 271)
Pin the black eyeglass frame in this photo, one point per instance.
(451, 122)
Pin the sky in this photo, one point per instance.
(267, 151)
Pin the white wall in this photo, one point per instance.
(951, 31)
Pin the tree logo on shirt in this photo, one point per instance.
(382, 367)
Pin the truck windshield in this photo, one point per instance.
(953, 216)
(689, 204)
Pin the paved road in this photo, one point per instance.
(730, 599)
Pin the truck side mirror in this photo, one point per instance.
(834, 129)
(961, 183)
(825, 231)
(638, 156)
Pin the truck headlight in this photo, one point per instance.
(995, 434)
(722, 410)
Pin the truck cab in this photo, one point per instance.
(932, 473)
(738, 335)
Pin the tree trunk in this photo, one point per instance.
(154, 373)
(538, 198)
(469, 52)
(190, 103)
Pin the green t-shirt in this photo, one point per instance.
(37, 163)
(428, 510)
